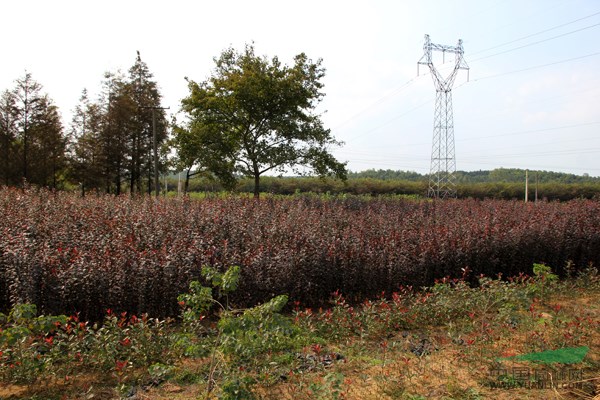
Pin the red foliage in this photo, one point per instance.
(68, 254)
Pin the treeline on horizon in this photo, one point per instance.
(512, 175)
(502, 183)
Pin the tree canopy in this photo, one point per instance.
(257, 115)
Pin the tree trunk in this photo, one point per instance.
(256, 185)
(54, 172)
(118, 179)
(25, 149)
(107, 183)
(132, 168)
(6, 157)
(187, 182)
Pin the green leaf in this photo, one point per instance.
(231, 279)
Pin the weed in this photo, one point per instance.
(244, 337)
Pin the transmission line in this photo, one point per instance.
(534, 131)
(378, 101)
(410, 110)
(536, 66)
(538, 42)
(537, 33)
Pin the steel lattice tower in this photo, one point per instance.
(443, 162)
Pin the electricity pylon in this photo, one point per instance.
(443, 161)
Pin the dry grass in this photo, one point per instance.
(449, 369)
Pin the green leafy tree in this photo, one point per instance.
(189, 153)
(196, 154)
(260, 116)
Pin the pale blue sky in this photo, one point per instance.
(543, 117)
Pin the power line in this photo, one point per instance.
(533, 131)
(378, 101)
(536, 66)
(545, 99)
(520, 18)
(477, 156)
(544, 153)
(535, 34)
(510, 133)
(410, 81)
(534, 43)
(498, 164)
(492, 76)
(384, 159)
(589, 87)
(539, 144)
(391, 120)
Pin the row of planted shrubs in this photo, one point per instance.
(370, 186)
(65, 253)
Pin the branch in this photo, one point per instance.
(245, 162)
(258, 126)
(275, 144)
(273, 166)
(196, 172)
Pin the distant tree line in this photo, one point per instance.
(513, 175)
(550, 191)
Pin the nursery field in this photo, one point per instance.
(108, 297)
(69, 254)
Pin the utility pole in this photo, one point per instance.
(179, 185)
(443, 162)
(526, 184)
(536, 186)
(155, 147)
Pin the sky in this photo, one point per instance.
(530, 100)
